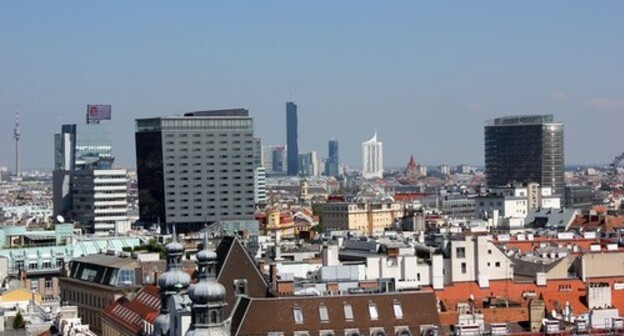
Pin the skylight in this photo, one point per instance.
(298, 315)
(372, 310)
(398, 310)
(348, 312)
(323, 313)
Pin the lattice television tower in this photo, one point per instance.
(16, 136)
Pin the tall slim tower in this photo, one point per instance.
(372, 158)
(16, 135)
(292, 144)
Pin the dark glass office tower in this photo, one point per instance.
(525, 149)
(292, 146)
(196, 169)
(333, 161)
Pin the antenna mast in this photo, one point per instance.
(16, 136)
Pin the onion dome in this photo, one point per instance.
(174, 247)
(173, 280)
(205, 292)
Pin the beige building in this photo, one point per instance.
(96, 281)
(366, 217)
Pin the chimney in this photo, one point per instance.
(273, 275)
(261, 265)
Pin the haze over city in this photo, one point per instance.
(425, 75)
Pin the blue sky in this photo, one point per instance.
(424, 74)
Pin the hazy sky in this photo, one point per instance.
(424, 74)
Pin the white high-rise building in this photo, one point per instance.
(372, 158)
(100, 200)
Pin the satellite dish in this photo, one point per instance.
(60, 219)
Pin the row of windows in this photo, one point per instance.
(209, 171)
(348, 312)
(210, 135)
(210, 163)
(222, 142)
(213, 214)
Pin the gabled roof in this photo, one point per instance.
(337, 313)
(235, 263)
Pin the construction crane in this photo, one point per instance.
(612, 174)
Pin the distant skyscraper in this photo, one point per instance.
(333, 160)
(278, 159)
(292, 139)
(525, 149)
(309, 164)
(196, 168)
(372, 158)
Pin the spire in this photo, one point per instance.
(16, 135)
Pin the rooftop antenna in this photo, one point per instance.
(16, 136)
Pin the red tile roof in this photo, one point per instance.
(131, 314)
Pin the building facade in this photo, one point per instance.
(372, 158)
(83, 176)
(366, 217)
(100, 199)
(525, 149)
(196, 168)
(292, 139)
(333, 159)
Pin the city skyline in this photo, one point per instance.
(427, 79)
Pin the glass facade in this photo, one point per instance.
(525, 149)
(83, 147)
(333, 161)
(292, 146)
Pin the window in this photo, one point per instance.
(372, 310)
(240, 287)
(324, 315)
(461, 252)
(48, 283)
(463, 268)
(489, 251)
(298, 315)
(497, 264)
(398, 310)
(348, 312)
(34, 285)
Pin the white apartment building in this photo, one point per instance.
(516, 201)
(100, 199)
(372, 158)
(260, 185)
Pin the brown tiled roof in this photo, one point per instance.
(262, 315)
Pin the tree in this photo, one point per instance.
(18, 321)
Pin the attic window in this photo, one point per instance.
(298, 315)
(324, 315)
(398, 310)
(348, 312)
(372, 310)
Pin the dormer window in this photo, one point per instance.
(298, 315)
(240, 287)
(398, 310)
(323, 314)
(372, 310)
(348, 312)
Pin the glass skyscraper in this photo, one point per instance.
(292, 146)
(525, 149)
(333, 160)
